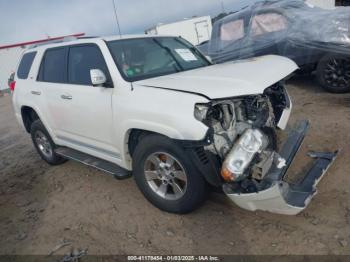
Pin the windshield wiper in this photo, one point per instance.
(167, 49)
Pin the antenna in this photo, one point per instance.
(223, 6)
(116, 18)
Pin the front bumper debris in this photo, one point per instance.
(278, 196)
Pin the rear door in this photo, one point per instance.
(80, 112)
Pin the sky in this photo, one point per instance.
(28, 20)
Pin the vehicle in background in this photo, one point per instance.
(156, 108)
(342, 3)
(318, 40)
(11, 81)
(196, 30)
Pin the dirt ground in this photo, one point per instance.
(41, 206)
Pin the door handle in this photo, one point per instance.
(37, 93)
(66, 97)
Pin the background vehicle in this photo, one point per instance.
(156, 108)
(11, 82)
(317, 40)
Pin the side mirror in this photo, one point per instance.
(98, 78)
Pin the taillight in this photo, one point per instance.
(12, 86)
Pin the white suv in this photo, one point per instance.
(156, 108)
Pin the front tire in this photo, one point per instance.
(166, 176)
(44, 144)
(333, 73)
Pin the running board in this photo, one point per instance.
(103, 165)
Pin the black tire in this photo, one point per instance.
(196, 190)
(333, 73)
(37, 127)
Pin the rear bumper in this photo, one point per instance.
(278, 196)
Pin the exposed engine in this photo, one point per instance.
(243, 129)
(230, 118)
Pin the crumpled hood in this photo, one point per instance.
(238, 78)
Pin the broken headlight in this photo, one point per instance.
(201, 111)
(251, 142)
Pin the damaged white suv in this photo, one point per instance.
(156, 108)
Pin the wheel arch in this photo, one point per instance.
(205, 163)
(29, 115)
(133, 137)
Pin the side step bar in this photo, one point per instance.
(103, 165)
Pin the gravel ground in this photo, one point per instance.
(41, 206)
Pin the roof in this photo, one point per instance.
(40, 41)
(87, 40)
(112, 38)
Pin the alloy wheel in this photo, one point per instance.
(337, 73)
(43, 144)
(165, 176)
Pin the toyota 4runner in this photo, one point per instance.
(156, 108)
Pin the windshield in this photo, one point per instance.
(143, 58)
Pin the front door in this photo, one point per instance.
(81, 113)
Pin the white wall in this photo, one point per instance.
(327, 4)
(195, 30)
(9, 59)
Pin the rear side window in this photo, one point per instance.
(232, 31)
(268, 23)
(53, 66)
(25, 65)
(81, 60)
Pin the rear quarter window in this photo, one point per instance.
(25, 65)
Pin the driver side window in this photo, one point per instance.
(81, 60)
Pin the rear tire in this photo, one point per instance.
(166, 176)
(333, 73)
(44, 144)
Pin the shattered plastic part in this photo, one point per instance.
(280, 27)
(278, 196)
(270, 200)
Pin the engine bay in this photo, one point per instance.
(244, 134)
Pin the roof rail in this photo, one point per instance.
(57, 40)
(65, 39)
(87, 37)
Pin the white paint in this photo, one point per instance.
(238, 78)
(326, 4)
(97, 120)
(9, 59)
(273, 199)
(282, 124)
(195, 30)
(270, 200)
